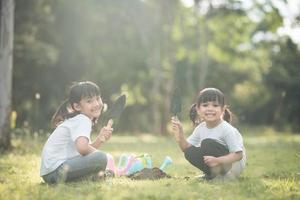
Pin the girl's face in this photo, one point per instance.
(90, 106)
(211, 112)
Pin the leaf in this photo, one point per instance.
(176, 102)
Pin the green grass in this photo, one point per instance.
(273, 171)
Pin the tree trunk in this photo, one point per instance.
(6, 58)
(168, 14)
(202, 43)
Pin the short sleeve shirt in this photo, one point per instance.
(224, 134)
(60, 146)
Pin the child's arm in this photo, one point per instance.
(82, 143)
(83, 146)
(227, 159)
(104, 135)
(178, 134)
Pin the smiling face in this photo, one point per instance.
(85, 98)
(90, 106)
(211, 106)
(211, 112)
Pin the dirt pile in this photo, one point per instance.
(150, 174)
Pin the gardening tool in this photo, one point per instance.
(168, 160)
(116, 109)
(140, 162)
(125, 162)
(176, 102)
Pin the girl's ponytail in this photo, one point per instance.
(194, 115)
(227, 115)
(62, 113)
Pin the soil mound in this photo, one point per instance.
(149, 173)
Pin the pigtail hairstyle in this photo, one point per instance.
(227, 116)
(194, 115)
(63, 112)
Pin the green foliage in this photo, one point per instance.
(283, 80)
(272, 19)
(145, 49)
(272, 171)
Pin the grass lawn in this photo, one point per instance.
(273, 171)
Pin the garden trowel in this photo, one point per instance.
(116, 109)
(176, 102)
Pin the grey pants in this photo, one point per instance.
(78, 167)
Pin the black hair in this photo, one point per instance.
(78, 91)
(206, 95)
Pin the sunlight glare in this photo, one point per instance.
(187, 3)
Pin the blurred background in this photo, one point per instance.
(146, 48)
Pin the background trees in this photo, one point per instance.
(145, 49)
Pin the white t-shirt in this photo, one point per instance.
(60, 146)
(224, 134)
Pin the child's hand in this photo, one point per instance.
(211, 161)
(106, 131)
(177, 129)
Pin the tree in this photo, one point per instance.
(6, 55)
(283, 81)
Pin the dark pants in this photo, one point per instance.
(209, 147)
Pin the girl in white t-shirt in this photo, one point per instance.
(215, 146)
(69, 153)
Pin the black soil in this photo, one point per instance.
(149, 174)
